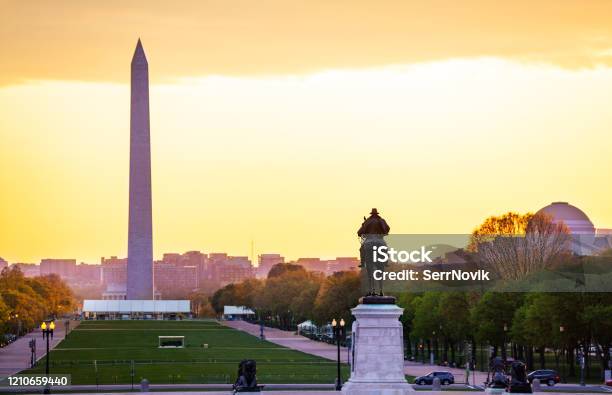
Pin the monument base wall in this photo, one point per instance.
(377, 352)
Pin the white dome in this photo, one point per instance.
(574, 218)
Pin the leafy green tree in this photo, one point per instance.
(277, 297)
(492, 314)
(338, 294)
(281, 268)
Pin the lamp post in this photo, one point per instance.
(581, 360)
(561, 330)
(434, 349)
(67, 325)
(505, 350)
(339, 331)
(47, 328)
(15, 316)
(32, 345)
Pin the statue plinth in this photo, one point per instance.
(378, 350)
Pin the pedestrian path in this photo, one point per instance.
(291, 340)
(16, 356)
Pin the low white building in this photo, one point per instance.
(236, 312)
(135, 309)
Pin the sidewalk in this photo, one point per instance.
(16, 356)
(328, 351)
(293, 341)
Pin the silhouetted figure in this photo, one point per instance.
(247, 377)
(372, 232)
(518, 382)
(498, 374)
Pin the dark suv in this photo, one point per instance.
(446, 378)
(546, 376)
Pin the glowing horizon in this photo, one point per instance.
(261, 136)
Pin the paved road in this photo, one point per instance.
(328, 351)
(291, 340)
(283, 392)
(16, 356)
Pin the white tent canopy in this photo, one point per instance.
(237, 310)
(136, 306)
(306, 325)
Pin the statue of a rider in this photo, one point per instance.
(371, 233)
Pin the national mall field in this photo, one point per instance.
(102, 352)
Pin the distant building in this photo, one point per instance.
(135, 309)
(586, 239)
(86, 274)
(173, 278)
(28, 269)
(266, 261)
(114, 271)
(222, 269)
(65, 268)
(115, 291)
(235, 269)
(3, 264)
(343, 264)
(313, 265)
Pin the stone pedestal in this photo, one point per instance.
(498, 391)
(377, 352)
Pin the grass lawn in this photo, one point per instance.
(115, 344)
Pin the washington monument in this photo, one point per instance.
(140, 234)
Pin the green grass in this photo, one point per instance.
(114, 344)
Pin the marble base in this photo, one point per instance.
(377, 352)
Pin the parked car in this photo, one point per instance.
(609, 382)
(446, 378)
(548, 376)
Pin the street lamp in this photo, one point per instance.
(434, 350)
(47, 328)
(581, 360)
(561, 330)
(339, 331)
(15, 316)
(505, 350)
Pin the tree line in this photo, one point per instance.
(291, 294)
(26, 302)
(529, 326)
(526, 326)
(460, 327)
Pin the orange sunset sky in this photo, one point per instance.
(284, 122)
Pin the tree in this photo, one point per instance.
(454, 312)
(492, 317)
(281, 268)
(30, 300)
(515, 246)
(509, 224)
(56, 293)
(226, 296)
(338, 294)
(201, 306)
(277, 297)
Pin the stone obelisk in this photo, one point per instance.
(140, 233)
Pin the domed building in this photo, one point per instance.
(574, 218)
(586, 239)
